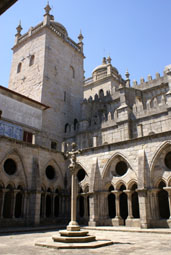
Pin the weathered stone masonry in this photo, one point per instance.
(122, 130)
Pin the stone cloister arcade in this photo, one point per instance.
(110, 198)
(38, 198)
(118, 197)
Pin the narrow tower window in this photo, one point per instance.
(31, 60)
(75, 124)
(19, 67)
(64, 96)
(72, 71)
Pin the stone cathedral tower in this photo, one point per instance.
(47, 66)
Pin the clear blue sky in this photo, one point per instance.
(136, 33)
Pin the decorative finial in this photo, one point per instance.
(19, 28)
(104, 61)
(127, 79)
(127, 74)
(80, 37)
(109, 60)
(47, 8)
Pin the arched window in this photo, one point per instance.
(67, 128)
(111, 203)
(64, 96)
(101, 93)
(123, 203)
(135, 202)
(72, 71)
(19, 67)
(31, 60)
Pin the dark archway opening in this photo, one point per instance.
(56, 206)
(81, 206)
(123, 203)
(88, 206)
(18, 205)
(135, 205)
(48, 206)
(167, 160)
(163, 202)
(111, 206)
(135, 202)
(42, 205)
(123, 206)
(7, 210)
(1, 197)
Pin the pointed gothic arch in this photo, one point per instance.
(111, 159)
(52, 162)
(160, 148)
(15, 155)
(159, 155)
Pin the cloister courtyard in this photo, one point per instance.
(125, 241)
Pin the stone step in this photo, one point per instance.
(74, 239)
(73, 233)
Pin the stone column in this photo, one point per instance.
(25, 200)
(117, 194)
(13, 203)
(44, 206)
(103, 207)
(34, 207)
(73, 225)
(52, 205)
(129, 197)
(144, 208)
(117, 221)
(93, 200)
(154, 204)
(85, 207)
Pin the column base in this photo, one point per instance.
(117, 221)
(73, 226)
(92, 223)
(132, 222)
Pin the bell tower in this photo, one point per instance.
(47, 66)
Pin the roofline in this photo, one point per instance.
(6, 4)
(22, 98)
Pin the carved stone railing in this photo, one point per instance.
(31, 31)
(87, 81)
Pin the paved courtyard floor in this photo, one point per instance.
(124, 243)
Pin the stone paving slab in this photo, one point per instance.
(124, 243)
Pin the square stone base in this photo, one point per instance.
(117, 222)
(133, 223)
